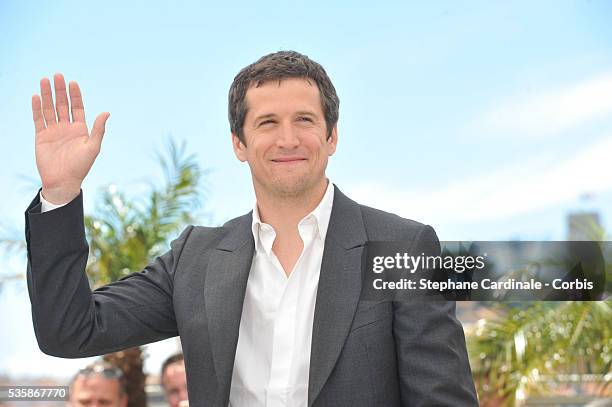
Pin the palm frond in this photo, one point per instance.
(511, 354)
(125, 234)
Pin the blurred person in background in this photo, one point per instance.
(98, 385)
(174, 380)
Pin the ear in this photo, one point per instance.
(239, 148)
(332, 141)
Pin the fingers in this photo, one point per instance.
(61, 99)
(76, 102)
(97, 132)
(47, 102)
(48, 110)
(39, 121)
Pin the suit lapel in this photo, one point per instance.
(224, 288)
(339, 290)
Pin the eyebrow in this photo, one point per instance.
(306, 113)
(301, 112)
(264, 116)
(272, 115)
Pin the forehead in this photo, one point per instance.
(174, 371)
(281, 96)
(95, 386)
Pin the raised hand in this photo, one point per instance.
(65, 150)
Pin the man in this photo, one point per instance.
(96, 386)
(173, 380)
(268, 306)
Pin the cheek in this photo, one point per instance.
(260, 147)
(319, 148)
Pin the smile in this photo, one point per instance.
(289, 160)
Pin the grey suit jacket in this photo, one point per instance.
(363, 353)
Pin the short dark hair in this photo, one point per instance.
(177, 357)
(276, 66)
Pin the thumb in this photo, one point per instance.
(99, 126)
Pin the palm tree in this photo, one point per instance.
(526, 348)
(530, 345)
(125, 234)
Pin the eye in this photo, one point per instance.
(266, 122)
(304, 118)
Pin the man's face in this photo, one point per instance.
(286, 137)
(96, 391)
(175, 383)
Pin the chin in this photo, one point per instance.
(290, 188)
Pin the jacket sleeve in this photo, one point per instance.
(69, 319)
(433, 364)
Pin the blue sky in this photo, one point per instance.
(487, 120)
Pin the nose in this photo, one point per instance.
(287, 137)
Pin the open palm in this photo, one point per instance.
(65, 150)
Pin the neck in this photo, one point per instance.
(284, 213)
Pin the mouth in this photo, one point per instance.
(289, 160)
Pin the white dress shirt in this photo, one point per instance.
(48, 206)
(273, 353)
(272, 361)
